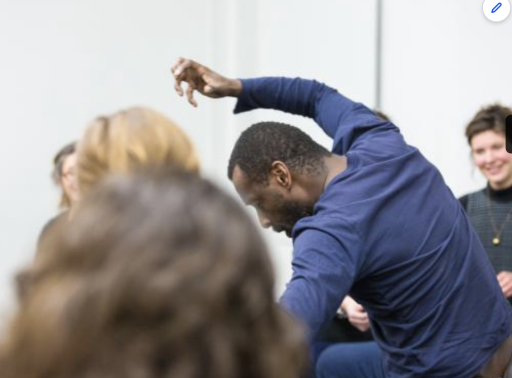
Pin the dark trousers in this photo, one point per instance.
(500, 364)
(350, 360)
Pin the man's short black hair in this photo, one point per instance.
(266, 142)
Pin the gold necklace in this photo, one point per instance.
(496, 241)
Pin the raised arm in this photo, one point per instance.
(340, 118)
(308, 98)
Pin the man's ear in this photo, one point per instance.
(281, 174)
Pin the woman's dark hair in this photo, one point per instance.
(156, 275)
(58, 160)
(492, 117)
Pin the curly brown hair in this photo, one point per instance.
(156, 275)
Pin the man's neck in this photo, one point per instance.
(314, 185)
(335, 165)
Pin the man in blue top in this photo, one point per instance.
(373, 219)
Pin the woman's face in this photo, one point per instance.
(68, 178)
(491, 157)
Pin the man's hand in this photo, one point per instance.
(505, 281)
(356, 314)
(202, 79)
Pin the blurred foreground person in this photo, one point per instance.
(144, 281)
(64, 175)
(126, 141)
(131, 140)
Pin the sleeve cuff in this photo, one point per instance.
(243, 103)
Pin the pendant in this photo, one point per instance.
(496, 241)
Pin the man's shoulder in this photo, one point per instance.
(332, 223)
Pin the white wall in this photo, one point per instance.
(65, 62)
(442, 61)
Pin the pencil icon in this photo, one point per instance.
(496, 7)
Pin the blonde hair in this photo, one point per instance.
(128, 140)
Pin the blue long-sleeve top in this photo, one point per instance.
(389, 232)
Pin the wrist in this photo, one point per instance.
(345, 304)
(235, 87)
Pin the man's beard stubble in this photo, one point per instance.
(291, 212)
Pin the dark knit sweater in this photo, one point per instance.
(480, 206)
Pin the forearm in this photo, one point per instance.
(314, 306)
(323, 273)
(296, 96)
(233, 87)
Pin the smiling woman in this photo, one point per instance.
(490, 209)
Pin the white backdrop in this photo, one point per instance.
(442, 61)
(64, 62)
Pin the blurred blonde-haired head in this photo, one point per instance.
(130, 140)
